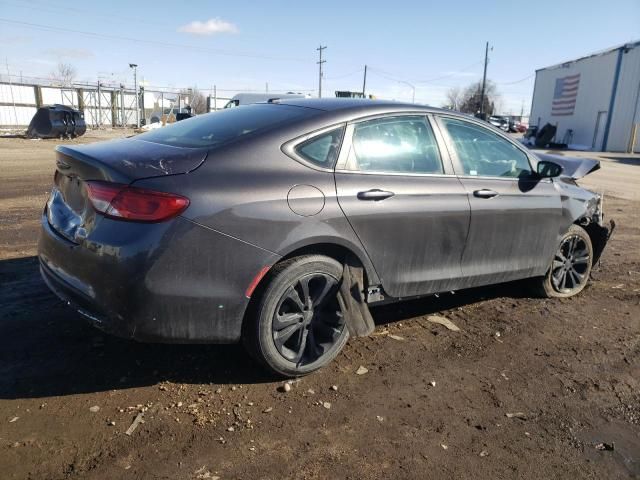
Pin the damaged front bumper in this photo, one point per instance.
(594, 223)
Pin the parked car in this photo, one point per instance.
(249, 98)
(499, 122)
(279, 224)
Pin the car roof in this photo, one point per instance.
(355, 105)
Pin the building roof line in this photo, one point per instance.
(627, 45)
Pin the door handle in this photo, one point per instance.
(485, 193)
(374, 194)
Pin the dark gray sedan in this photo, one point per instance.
(279, 223)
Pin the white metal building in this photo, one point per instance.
(594, 101)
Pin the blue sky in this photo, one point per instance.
(239, 45)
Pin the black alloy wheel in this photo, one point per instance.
(308, 321)
(298, 326)
(571, 265)
(569, 271)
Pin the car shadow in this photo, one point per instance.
(428, 305)
(47, 349)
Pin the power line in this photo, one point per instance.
(77, 11)
(517, 81)
(44, 81)
(454, 74)
(411, 85)
(345, 75)
(214, 51)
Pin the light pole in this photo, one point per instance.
(135, 86)
(413, 90)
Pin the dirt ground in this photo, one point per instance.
(528, 388)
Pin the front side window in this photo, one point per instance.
(396, 144)
(484, 153)
(323, 149)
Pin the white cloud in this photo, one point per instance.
(210, 27)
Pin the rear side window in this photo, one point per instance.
(220, 127)
(403, 144)
(483, 153)
(323, 149)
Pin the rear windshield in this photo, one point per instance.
(219, 127)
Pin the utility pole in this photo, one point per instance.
(364, 82)
(135, 86)
(484, 79)
(320, 62)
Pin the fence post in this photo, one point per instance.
(143, 115)
(99, 106)
(38, 94)
(114, 108)
(123, 121)
(80, 93)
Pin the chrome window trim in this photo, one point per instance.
(517, 179)
(395, 174)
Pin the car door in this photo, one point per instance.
(404, 202)
(516, 216)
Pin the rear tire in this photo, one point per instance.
(296, 326)
(570, 268)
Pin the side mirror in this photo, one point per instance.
(548, 169)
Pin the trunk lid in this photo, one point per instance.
(69, 210)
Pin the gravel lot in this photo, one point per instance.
(528, 388)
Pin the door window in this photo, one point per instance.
(396, 144)
(484, 153)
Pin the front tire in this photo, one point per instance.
(570, 268)
(297, 326)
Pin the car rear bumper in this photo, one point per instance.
(174, 281)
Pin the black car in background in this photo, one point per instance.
(278, 224)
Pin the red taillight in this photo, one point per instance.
(131, 203)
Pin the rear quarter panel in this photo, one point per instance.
(246, 189)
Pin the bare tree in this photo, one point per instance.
(197, 100)
(454, 98)
(470, 102)
(64, 74)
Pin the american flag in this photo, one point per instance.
(564, 95)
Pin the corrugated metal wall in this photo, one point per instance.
(626, 111)
(591, 112)
(594, 95)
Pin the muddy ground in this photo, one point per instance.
(528, 388)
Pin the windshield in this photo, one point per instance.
(213, 129)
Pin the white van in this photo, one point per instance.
(247, 98)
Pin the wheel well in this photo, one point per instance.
(332, 250)
(598, 235)
(337, 252)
